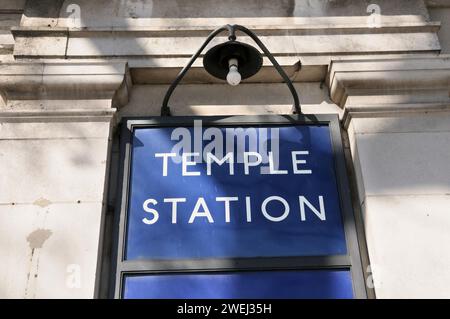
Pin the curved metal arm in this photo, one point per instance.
(165, 110)
(275, 64)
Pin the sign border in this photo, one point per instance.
(351, 261)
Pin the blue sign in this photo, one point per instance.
(317, 284)
(220, 192)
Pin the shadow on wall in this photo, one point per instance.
(120, 13)
(179, 9)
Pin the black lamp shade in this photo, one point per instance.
(216, 59)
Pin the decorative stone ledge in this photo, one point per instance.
(384, 86)
(38, 88)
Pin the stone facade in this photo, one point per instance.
(70, 70)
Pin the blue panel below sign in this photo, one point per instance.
(320, 284)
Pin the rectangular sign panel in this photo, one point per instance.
(242, 285)
(219, 192)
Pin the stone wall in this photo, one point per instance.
(70, 70)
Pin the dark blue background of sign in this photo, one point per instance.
(242, 285)
(261, 237)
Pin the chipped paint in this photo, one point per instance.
(36, 240)
(42, 202)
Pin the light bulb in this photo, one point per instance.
(233, 76)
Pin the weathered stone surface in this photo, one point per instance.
(396, 113)
(49, 251)
(407, 239)
(443, 15)
(222, 99)
(65, 81)
(166, 33)
(67, 170)
(114, 12)
(382, 87)
(400, 163)
(60, 130)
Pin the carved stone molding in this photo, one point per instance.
(63, 87)
(376, 87)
